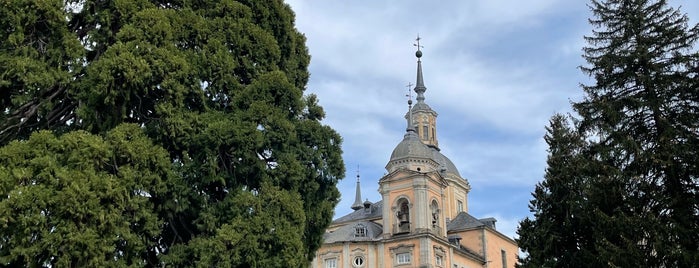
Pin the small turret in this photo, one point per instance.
(358, 197)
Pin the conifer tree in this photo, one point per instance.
(643, 110)
(639, 167)
(218, 85)
(558, 235)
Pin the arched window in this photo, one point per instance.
(403, 211)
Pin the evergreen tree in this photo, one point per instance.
(218, 85)
(559, 234)
(644, 108)
(80, 199)
(640, 163)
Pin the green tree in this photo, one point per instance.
(639, 118)
(81, 200)
(644, 107)
(559, 233)
(217, 84)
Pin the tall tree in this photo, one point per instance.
(217, 84)
(559, 234)
(640, 119)
(644, 107)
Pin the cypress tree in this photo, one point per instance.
(218, 85)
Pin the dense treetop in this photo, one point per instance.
(188, 117)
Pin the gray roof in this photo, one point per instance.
(464, 220)
(411, 146)
(374, 211)
(348, 233)
(445, 162)
(422, 106)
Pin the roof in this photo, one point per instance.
(348, 232)
(374, 211)
(411, 146)
(445, 162)
(464, 220)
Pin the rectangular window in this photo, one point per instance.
(425, 133)
(438, 260)
(403, 258)
(331, 263)
(459, 206)
(504, 258)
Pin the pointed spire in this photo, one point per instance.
(420, 83)
(358, 196)
(411, 127)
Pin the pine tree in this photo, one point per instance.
(218, 85)
(644, 109)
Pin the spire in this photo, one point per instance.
(420, 83)
(411, 127)
(358, 196)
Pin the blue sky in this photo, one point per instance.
(495, 71)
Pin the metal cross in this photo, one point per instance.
(409, 95)
(418, 42)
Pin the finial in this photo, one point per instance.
(410, 109)
(419, 83)
(418, 53)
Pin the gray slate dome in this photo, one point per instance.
(445, 162)
(411, 146)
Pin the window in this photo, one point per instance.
(403, 212)
(425, 134)
(459, 206)
(403, 258)
(358, 261)
(402, 254)
(360, 230)
(504, 258)
(438, 260)
(331, 263)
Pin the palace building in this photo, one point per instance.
(422, 219)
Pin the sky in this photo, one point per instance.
(495, 72)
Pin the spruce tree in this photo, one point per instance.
(642, 111)
(559, 233)
(637, 173)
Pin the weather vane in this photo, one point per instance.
(418, 42)
(410, 94)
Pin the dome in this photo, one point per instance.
(445, 162)
(411, 146)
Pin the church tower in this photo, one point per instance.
(422, 218)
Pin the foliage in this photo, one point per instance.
(640, 117)
(558, 234)
(81, 200)
(218, 85)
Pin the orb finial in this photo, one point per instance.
(418, 53)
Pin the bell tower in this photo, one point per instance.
(413, 191)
